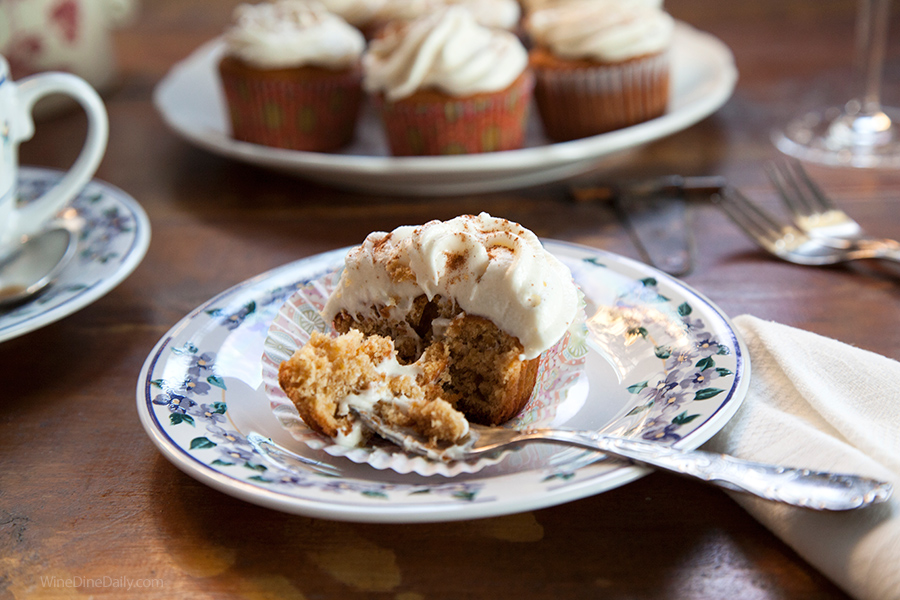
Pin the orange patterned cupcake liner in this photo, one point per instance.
(316, 114)
(442, 126)
(580, 102)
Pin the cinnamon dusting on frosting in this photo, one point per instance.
(492, 267)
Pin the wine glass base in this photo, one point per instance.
(828, 137)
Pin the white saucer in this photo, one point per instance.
(191, 102)
(112, 242)
(662, 364)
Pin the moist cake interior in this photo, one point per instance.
(457, 368)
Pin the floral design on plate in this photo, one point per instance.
(661, 363)
(688, 353)
(558, 373)
(113, 236)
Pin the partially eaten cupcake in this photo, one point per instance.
(438, 325)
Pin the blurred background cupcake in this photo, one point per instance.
(443, 84)
(600, 65)
(292, 76)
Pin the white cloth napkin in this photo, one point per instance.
(819, 403)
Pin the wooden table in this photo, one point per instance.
(85, 494)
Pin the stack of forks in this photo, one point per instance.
(822, 234)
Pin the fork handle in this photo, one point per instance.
(886, 249)
(799, 487)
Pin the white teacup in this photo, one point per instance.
(17, 98)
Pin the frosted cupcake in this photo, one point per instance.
(444, 84)
(599, 65)
(292, 76)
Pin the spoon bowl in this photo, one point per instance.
(35, 264)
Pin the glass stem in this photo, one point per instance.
(871, 35)
(864, 133)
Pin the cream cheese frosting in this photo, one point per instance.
(292, 33)
(448, 51)
(501, 14)
(358, 13)
(533, 5)
(492, 267)
(406, 10)
(602, 30)
(379, 390)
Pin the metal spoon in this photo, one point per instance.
(34, 265)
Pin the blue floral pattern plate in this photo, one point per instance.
(661, 363)
(113, 237)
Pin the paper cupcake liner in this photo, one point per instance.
(486, 123)
(561, 370)
(317, 115)
(581, 102)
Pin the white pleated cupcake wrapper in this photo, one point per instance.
(561, 368)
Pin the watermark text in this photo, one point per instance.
(121, 583)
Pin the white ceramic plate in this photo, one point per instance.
(113, 239)
(663, 364)
(192, 103)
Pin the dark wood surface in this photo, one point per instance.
(84, 493)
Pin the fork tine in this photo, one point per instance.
(757, 223)
(745, 222)
(815, 194)
(788, 188)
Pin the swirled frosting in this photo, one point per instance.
(501, 14)
(358, 13)
(406, 10)
(533, 5)
(602, 30)
(292, 33)
(447, 50)
(492, 267)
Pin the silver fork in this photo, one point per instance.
(792, 244)
(813, 211)
(799, 487)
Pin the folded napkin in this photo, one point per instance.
(819, 403)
